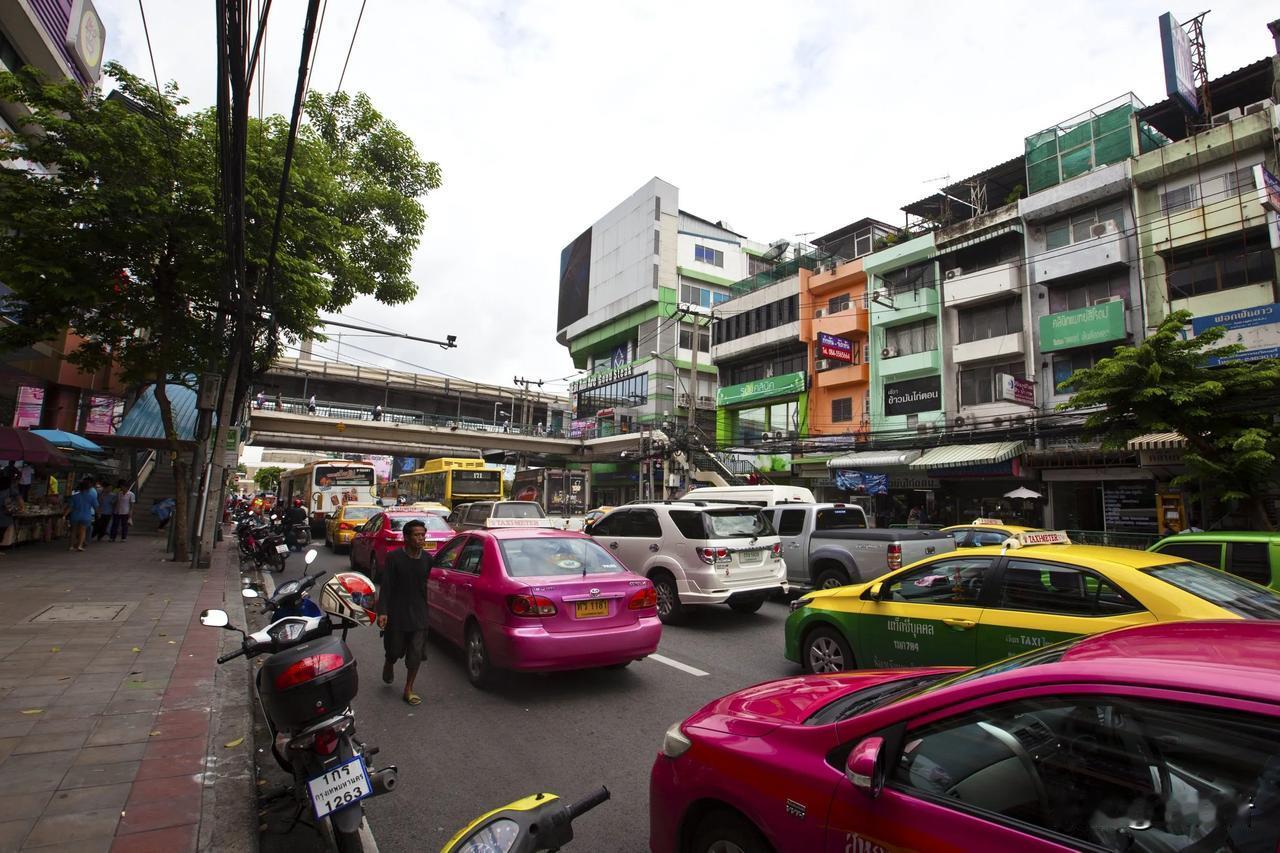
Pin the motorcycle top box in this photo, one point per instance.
(300, 684)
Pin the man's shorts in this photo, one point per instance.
(410, 645)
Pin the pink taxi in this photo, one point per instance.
(384, 533)
(519, 596)
(1154, 738)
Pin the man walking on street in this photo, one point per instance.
(123, 512)
(106, 512)
(402, 607)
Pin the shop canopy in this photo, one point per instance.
(24, 445)
(874, 459)
(968, 455)
(68, 440)
(1158, 441)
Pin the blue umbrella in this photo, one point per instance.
(61, 438)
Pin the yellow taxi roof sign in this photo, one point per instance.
(989, 522)
(1037, 537)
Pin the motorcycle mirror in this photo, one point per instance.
(215, 619)
(249, 593)
(311, 556)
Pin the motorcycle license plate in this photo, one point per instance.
(282, 549)
(339, 787)
(591, 609)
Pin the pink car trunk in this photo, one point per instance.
(590, 603)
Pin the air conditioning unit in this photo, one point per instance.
(767, 436)
(1107, 299)
(707, 402)
(959, 421)
(889, 352)
(822, 364)
(1227, 117)
(820, 313)
(997, 422)
(954, 273)
(1103, 229)
(684, 400)
(1257, 107)
(1022, 419)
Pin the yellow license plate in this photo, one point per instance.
(591, 609)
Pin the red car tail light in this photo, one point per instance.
(777, 549)
(326, 741)
(894, 556)
(713, 555)
(644, 599)
(346, 525)
(306, 669)
(531, 605)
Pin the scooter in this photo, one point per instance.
(542, 822)
(305, 689)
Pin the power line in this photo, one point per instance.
(359, 17)
(147, 32)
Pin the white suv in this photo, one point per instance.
(697, 553)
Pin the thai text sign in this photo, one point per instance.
(30, 404)
(912, 396)
(1015, 390)
(1082, 327)
(1256, 328)
(834, 348)
(1179, 78)
(772, 386)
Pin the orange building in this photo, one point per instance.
(833, 302)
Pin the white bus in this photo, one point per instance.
(325, 485)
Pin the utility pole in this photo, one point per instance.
(527, 414)
(686, 312)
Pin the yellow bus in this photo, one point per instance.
(451, 480)
(325, 485)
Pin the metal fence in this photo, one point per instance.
(1114, 539)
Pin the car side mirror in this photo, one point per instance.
(865, 766)
(873, 592)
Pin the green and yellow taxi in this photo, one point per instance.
(984, 531)
(978, 605)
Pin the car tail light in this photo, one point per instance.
(306, 669)
(346, 525)
(776, 549)
(326, 741)
(713, 555)
(531, 605)
(643, 599)
(894, 556)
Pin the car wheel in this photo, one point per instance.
(479, 669)
(728, 832)
(832, 578)
(670, 610)
(746, 605)
(826, 650)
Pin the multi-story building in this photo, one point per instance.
(637, 290)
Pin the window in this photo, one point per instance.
(708, 255)
(703, 296)
(472, 554)
(656, 242)
(686, 339)
(1064, 590)
(1226, 591)
(791, 522)
(911, 338)
(795, 362)
(525, 558)
(1182, 198)
(1088, 293)
(839, 518)
(1079, 226)
(1068, 363)
(953, 582)
(1220, 267)
(1249, 560)
(625, 393)
(990, 321)
(657, 207)
(841, 410)
(1239, 181)
(978, 384)
(689, 523)
(1208, 553)
(449, 556)
(655, 275)
(836, 304)
(639, 523)
(1113, 772)
(862, 245)
(910, 279)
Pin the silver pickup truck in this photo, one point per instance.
(828, 545)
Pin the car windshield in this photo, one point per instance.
(1226, 591)
(359, 513)
(433, 522)
(518, 510)
(736, 523)
(550, 556)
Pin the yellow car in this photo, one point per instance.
(984, 531)
(595, 515)
(978, 605)
(341, 525)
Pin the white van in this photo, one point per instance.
(754, 495)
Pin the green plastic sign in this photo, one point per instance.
(1082, 327)
(773, 386)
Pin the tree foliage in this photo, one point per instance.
(1226, 411)
(268, 479)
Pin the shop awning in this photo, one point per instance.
(966, 455)
(1158, 441)
(874, 459)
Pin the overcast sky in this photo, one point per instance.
(780, 119)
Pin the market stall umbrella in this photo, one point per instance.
(25, 445)
(68, 440)
(1023, 492)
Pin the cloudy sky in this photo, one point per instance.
(781, 119)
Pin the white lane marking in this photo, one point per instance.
(675, 664)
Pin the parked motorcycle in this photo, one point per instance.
(542, 822)
(305, 689)
(291, 598)
(262, 543)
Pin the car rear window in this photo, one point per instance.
(840, 518)
(1250, 561)
(736, 523)
(359, 513)
(1209, 553)
(517, 510)
(433, 522)
(1230, 593)
(548, 557)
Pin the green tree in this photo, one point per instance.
(268, 479)
(1226, 412)
(110, 225)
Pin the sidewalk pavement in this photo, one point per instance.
(117, 732)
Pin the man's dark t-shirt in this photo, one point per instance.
(403, 596)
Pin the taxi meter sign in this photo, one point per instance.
(516, 522)
(1040, 537)
(989, 522)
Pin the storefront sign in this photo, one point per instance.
(834, 348)
(602, 377)
(1016, 390)
(30, 404)
(1257, 328)
(582, 429)
(862, 483)
(906, 481)
(1270, 188)
(1179, 74)
(1008, 468)
(773, 386)
(912, 396)
(101, 419)
(1159, 458)
(1129, 505)
(1082, 327)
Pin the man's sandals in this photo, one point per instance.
(412, 699)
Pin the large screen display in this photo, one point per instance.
(575, 280)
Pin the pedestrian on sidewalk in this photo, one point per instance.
(162, 508)
(80, 511)
(311, 405)
(402, 607)
(377, 412)
(123, 511)
(26, 474)
(106, 510)
(10, 502)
